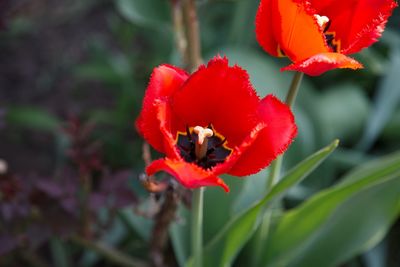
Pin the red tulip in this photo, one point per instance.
(318, 34)
(211, 122)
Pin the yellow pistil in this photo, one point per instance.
(202, 140)
(322, 21)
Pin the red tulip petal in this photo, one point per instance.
(188, 174)
(164, 81)
(296, 29)
(278, 133)
(323, 62)
(371, 32)
(164, 122)
(239, 151)
(265, 28)
(220, 95)
(357, 23)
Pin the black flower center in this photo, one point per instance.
(330, 38)
(215, 149)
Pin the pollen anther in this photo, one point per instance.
(202, 133)
(322, 20)
(202, 141)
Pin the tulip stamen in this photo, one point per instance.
(203, 146)
(188, 134)
(202, 141)
(323, 21)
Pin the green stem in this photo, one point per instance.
(276, 165)
(197, 227)
(274, 174)
(261, 237)
(294, 88)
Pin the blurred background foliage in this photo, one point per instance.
(72, 78)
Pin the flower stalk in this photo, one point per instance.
(294, 88)
(274, 173)
(197, 227)
(194, 60)
(276, 165)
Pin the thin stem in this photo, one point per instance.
(294, 88)
(197, 227)
(274, 174)
(192, 34)
(261, 236)
(194, 60)
(276, 165)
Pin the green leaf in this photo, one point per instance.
(180, 235)
(381, 167)
(152, 13)
(96, 71)
(264, 72)
(222, 250)
(334, 120)
(339, 222)
(391, 37)
(114, 69)
(213, 219)
(373, 61)
(386, 101)
(135, 223)
(33, 118)
(391, 133)
(243, 20)
(214, 202)
(252, 191)
(59, 252)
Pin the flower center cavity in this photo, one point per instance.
(202, 146)
(324, 22)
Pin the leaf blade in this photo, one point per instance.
(222, 250)
(362, 208)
